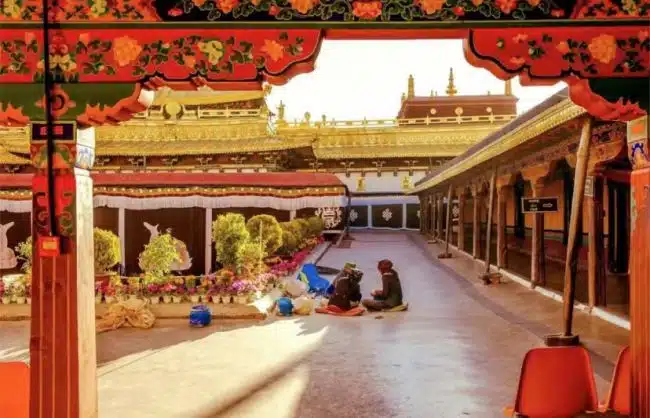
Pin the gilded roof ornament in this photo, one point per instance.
(451, 87)
(173, 110)
(411, 87)
(281, 108)
(508, 88)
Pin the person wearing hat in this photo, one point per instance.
(347, 292)
(390, 295)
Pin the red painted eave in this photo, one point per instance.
(279, 180)
(18, 181)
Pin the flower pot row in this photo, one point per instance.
(19, 300)
(154, 300)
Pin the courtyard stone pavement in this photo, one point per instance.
(456, 353)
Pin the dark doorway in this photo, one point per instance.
(619, 227)
(520, 220)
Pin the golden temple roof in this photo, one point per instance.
(555, 111)
(207, 122)
(396, 138)
(7, 158)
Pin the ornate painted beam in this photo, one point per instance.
(192, 57)
(326, 13)
(98, 54)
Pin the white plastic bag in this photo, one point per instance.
(303, 305)
(295, 288)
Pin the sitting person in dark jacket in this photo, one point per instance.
(347, 292)
(390, 295)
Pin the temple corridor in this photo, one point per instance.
(457, 351)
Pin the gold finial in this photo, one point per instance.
(411, 87)
(508, 90)
(403, 97)
(431, 94)
(451, 88)
(281, 107)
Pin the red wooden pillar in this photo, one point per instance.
(439, 217)
(62, 344)
(476, 222)
(460, 237)
(432, 217)
(639, 155)
(538, 262)
(597, 274)
(537, 175)
(503, 188)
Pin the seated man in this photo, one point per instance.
(347, 292)
(390, 295)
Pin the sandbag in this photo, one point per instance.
(296, 288)
(303, 305)
(129, 313)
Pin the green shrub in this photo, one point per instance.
(289, 243)
(293, 228)
(302, 226)
(107, 250)
(251, 256)
(266, 230)
(24, 250)
(316, 226)
(158, 256)
(229, 233)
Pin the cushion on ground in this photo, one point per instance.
(333, 310)
(398, 308)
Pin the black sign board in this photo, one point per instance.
(589, 186)
(61, 131)
(539, 204)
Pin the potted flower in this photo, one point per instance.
(120, 295)
(241, 291)
(5, 293)
(191, 281)
(19, 293)
(107, 253)
(229, 234)
(24, 251)
(98, 292)
(158, 257)
(217, 293)
(28, 291)
(167, 291)
(153, 292)
(110, 294)
(268, 281)
(177, 296)
(135, 287)
(194, 295)
(203, 293)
